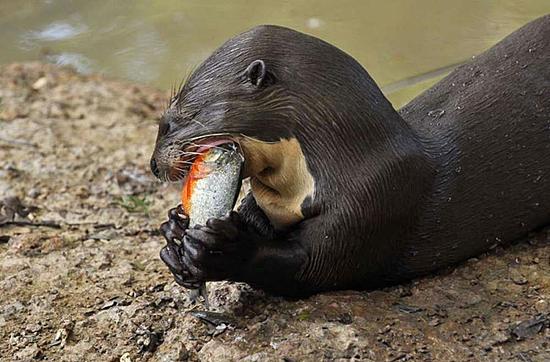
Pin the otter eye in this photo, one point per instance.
(256, 73)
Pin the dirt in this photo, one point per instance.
(80, 276)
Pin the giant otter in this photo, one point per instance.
(345, 191)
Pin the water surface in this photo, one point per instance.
(405, 45)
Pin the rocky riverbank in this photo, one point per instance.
(81, 278)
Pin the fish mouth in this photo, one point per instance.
(191, 150)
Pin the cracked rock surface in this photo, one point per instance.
(80, 276)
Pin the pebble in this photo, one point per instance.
(60, 337)
(541, 306)
(40, 83)
(177, 352)
(34, 193)
(518, 278)
(125, 357)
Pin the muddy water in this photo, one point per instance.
(405, 45)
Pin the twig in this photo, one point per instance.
(17, 142)
(49, 224)
(152, 232)
(95, 224)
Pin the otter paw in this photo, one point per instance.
(218, 250)
(171, 256)
(174, 230)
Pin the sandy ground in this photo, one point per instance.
(88, 284)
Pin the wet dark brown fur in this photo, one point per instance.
(463, 167)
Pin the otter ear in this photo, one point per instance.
(256, 73)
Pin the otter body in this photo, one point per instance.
(347, 192)
(487, 128)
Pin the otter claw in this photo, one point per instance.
(174, 228)
(178, 214)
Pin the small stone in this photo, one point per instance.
(14, 339)
(385, 330)
(82, 191)
(34, 193)
(40, 83)
(404, 291)
(541, 306)
(177, 352)
(125, 357)
(60, 337)
(517, 278)
(423, 349)
(345, 318)
(34, 328)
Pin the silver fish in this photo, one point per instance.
(211, 190)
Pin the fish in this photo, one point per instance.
(211, 190)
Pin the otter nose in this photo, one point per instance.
(154, 167)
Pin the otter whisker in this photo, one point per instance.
(192, 153)
(178, 165)
(180, 171)
(183, 154)
(256, 140)
(189, 141)
(207, 136)
(178, 161)
(199, 123)
(211, 146)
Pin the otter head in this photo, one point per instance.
(292, 102)
(240, 94)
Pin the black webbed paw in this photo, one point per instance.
(217, 250)
(174, 232)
